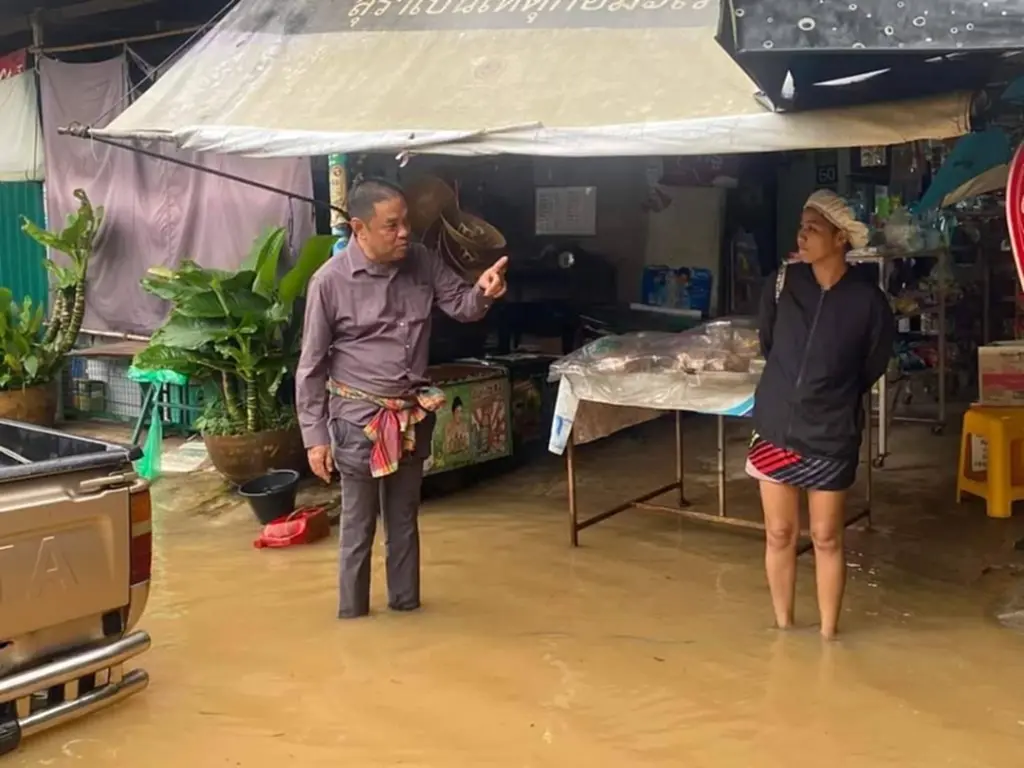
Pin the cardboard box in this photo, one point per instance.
(1001, 373)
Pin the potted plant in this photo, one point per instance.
(31, 355)
(236, 333)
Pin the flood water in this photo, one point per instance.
(648, 646)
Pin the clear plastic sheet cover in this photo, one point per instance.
(713, 368)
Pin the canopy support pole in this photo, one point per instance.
(40, 49)
(83, 132)
(337, 173)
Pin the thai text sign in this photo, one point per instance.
(409, 15)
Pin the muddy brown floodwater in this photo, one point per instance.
(648, 646)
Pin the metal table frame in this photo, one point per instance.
(682, 506)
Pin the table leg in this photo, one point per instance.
(679, 459)
(570, 465)
(721, 465)
(870, 461)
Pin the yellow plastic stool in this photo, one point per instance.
(1001, 428)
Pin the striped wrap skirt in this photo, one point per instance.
(766, 461)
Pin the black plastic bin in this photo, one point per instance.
(272, 495)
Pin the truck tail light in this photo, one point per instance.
(141, 508)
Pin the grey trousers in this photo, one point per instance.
(396, 499)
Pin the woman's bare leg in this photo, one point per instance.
(781, 505)
(827, 509)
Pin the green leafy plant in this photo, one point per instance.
(235, 330)
(21, 354)
(216, 421)
(29, 354)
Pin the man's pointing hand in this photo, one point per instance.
(492, 281)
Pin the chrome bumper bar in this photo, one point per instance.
(67, 671)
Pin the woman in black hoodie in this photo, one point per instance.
(826, 335)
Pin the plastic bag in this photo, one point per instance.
(712, 368)
(721, 346)
(148, 467)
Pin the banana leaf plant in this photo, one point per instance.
(236, 330)
(31, 355)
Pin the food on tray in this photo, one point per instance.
(712, 361)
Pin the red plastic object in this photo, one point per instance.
(1015, 211)
(303, 526)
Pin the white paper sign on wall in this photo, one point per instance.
(566, 211)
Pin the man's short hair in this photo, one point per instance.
(365, 195)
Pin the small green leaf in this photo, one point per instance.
(41, 236)
(264, 259)
(31, 365)
(314, 254)
(191, 333)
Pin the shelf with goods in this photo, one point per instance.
(921, 293)
(983, 265)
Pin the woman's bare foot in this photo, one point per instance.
(784, 621)
(788, 626)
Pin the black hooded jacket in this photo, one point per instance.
(823, 350)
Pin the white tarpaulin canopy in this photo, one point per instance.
(540, 77)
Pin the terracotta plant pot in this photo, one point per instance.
(33, 405)
(240, 458)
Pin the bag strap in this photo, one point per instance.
(780, 282)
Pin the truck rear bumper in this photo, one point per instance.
(102, 666)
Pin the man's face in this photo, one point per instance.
(384, 238)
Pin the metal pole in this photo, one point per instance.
(721, 465)
(679, 457)
(883, 388)
(36, 23)
(942, 341)
(115, 335)
(986, 295)
(82, 132)
(570, 465)
(338, 186)
(116, 42)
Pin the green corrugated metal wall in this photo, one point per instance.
(21, 259)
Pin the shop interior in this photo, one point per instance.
(666, 242)
(611, 246)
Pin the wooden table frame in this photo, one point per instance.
(682, 506)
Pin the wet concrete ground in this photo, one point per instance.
(647, 646)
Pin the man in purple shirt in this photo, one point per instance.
(365, 405)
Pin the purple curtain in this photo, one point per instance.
(157, 213)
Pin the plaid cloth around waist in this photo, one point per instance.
(392, 429)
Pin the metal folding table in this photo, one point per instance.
(681, 505)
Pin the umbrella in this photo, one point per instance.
(977, 164)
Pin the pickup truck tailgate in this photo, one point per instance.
(64, 553)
